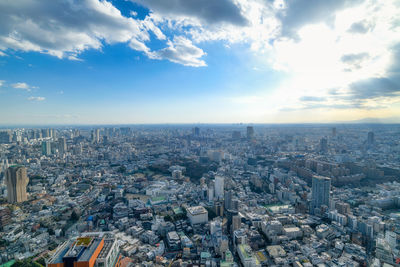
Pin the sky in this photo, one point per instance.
(199, 61)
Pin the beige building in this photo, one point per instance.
(16, 180)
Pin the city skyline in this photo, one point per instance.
(148, 62)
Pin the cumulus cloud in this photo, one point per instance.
(67, 28)
(321, 44)
(2, 82)
(207, 11)
(373, 88)
(298, 13)
(22, 86)
(182, 51)
(361, 27)
(36, 98)
(351, 58)
(354, 61)
(312, 98)
(64, 28)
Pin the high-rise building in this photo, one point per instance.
(96, 136)
(323, 145)
(321, 187)
(196, 131)
(371, 138)
(219, 187)
(236, 222)
(46, 148)
(5, 137)
(250, 132)
(228, 199)
(16, 180)
(62, 145)
(210, 193)
(45, 133)
(334, 131)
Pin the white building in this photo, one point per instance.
(210, 194)
(109, 254)
(197, 215)
(246, 256)
(219, 187)
(292, 232)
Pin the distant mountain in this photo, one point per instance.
(375, 120)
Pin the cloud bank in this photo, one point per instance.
(339, 53)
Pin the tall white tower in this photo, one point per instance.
(219, 187)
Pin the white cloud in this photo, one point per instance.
(65, 28)
(334, 57)
(36, 98)
(22, 86)
(2, 82)
(182, 51)
(306, 38)
(2, 54)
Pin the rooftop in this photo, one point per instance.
(196, 210)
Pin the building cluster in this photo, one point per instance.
(201, 196)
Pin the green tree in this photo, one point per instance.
(74, 216)
(121, 169)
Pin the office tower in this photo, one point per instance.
(210, 193)
(53, 133)
(235, 204)
(16, 180)
(236, 222)
(96, 136)
(62, 145)
(196, 131)
(5, 137)
(219, 187)
(125, 131)
(236, 135)
(38, 134)
(230, 214)
(334, 131)
(228, 199)
(250, 132)
(46, 148)
(17, 137)
(371, 138)
(45, 133)
(323, 145)
(321, 187)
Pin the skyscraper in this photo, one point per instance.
(371, 138)
(250, 132)
(228, 199)
(196, 131)
(16, 180)
(219, 187)
(334, 131)
(5, 137)
(46, 148)
(62, 145)
(321, 187)
(323, 145)
(96, 136)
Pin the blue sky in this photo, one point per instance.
(187, 61)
